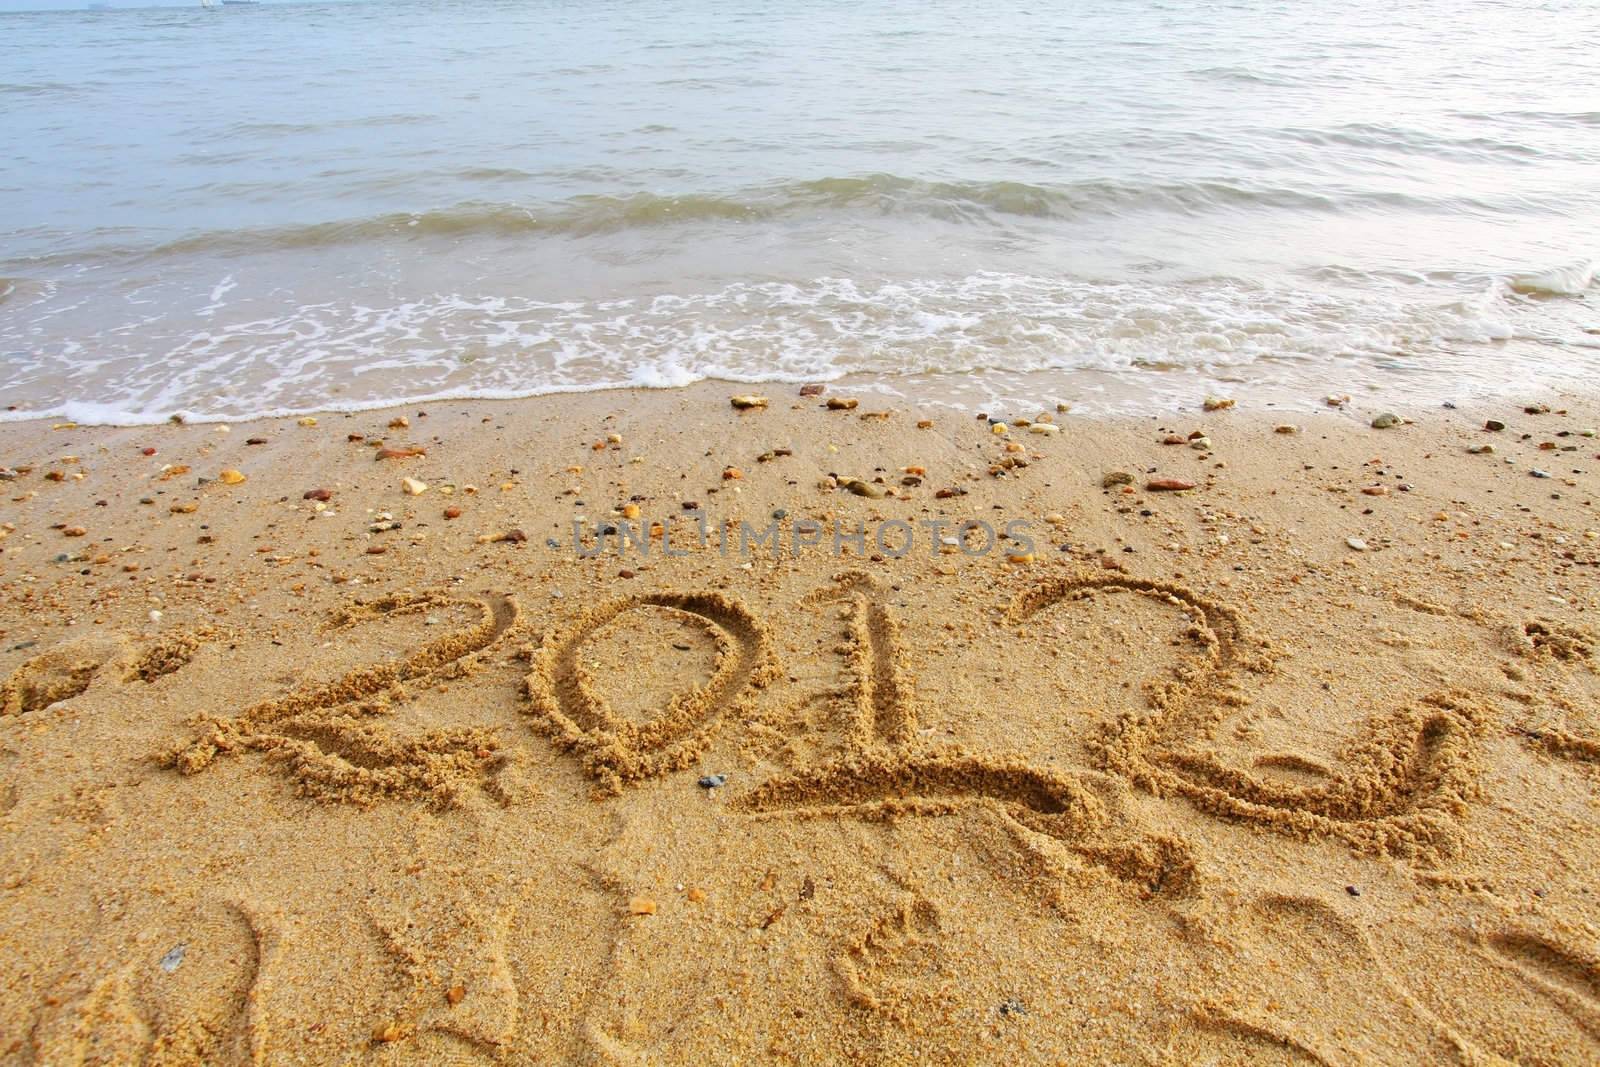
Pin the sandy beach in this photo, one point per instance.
(323, 741)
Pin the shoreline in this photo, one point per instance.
(1100, 393)
(302, 761)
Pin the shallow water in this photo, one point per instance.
(291, 206)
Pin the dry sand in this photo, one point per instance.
(1197, 782)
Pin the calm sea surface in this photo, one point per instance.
(295, 206)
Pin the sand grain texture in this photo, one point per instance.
(314, 771)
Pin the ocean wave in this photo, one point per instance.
(1408, 141)
(969, 202)
(38, 89)
(1569, 280)
(337, 354)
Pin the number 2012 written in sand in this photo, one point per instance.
(1401, 788)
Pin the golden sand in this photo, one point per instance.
(314, 750)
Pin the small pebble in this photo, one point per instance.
(867, 489)
(1385, 421)
(1356, 543)
(713, 781)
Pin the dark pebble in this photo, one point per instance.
(713, 781)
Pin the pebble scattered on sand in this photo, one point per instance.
(840, 403)
(863, 488)
(1218, 403)
(748, 401)
(413, 486)
(713, 781)
(1168, 485)
(387, 1033)
(505, 536)
(1386, 421)
(1115, 478)
(1356, 543)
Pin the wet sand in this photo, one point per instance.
(301, 763)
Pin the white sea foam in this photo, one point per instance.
(1569, 280)
(339, 356)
